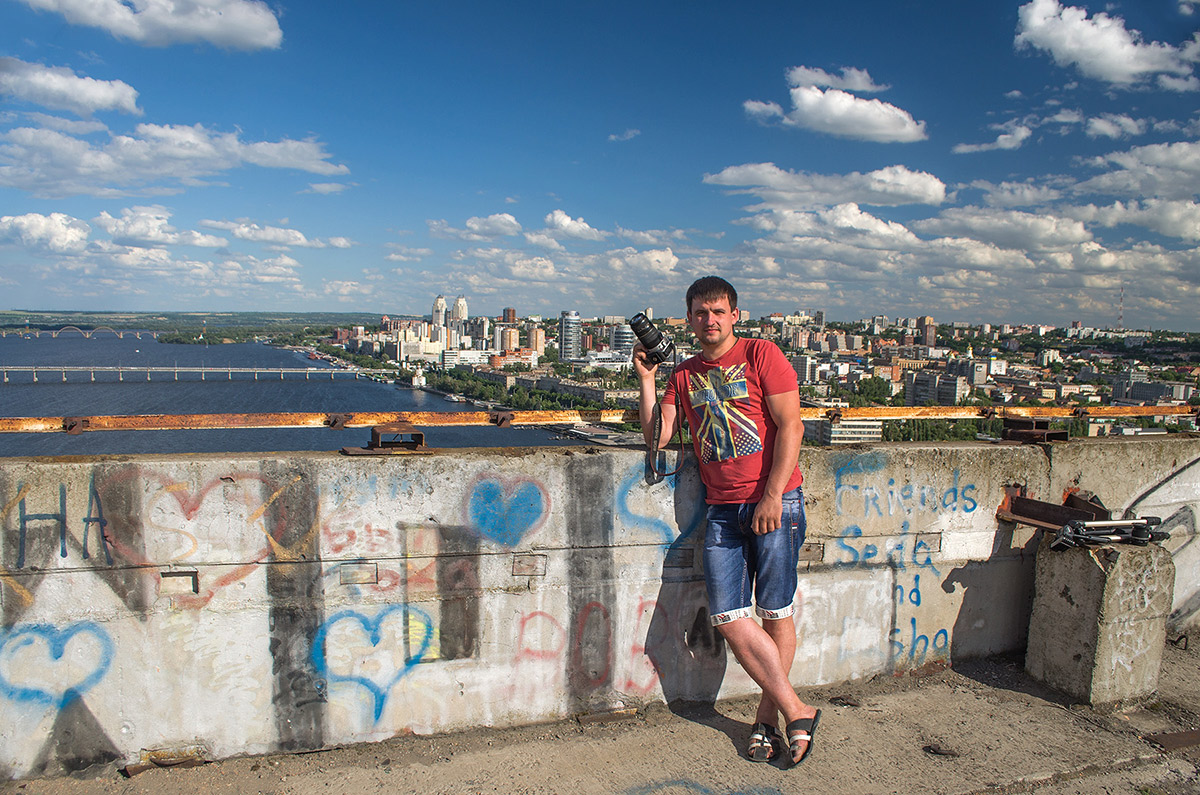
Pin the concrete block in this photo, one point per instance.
(1099, 621)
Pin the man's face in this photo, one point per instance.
(712, 321)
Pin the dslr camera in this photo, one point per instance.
(659, 349)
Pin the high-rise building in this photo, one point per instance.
(928, 330)
(570, 335)
(459, 312)
(537, 339)
(928, 386)
(509, 315)
(438, 315)
(508, 338)
(621, 339)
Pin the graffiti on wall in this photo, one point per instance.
(44, 664)
(1176, 500)
(506, 511)
(895, 513)
(369, 655)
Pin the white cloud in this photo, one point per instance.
(496, 225)
(148, 227)
(651, 237)
(1065, 117)
(347, 289)
(155, 159)
(406, 254)
(559, 224)
(1115, 125)
(821, 103)
(1100, 47)
(652, 263)
(1009, 229)
(478, 229)
(885, 187)
(1177, 219)
(1012, 139)
(1166, 171)
(846, 224)
(57, 233)
(276, 236)
(543, 240)
(235, 24)
(70, 126)
(1016, 194)
(107, 269)
(852, 79)
(326, 187)
(628, 135)
(59, 88)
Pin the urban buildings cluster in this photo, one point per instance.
(916, 358)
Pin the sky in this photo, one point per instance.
(1006, 161)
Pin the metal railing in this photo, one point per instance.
(175, 422)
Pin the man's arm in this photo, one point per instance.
(647, 397)
(784, 409)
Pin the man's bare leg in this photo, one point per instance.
(759, 655)
(783, 632)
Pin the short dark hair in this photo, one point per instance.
(710, 288)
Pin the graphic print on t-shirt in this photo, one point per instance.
(725, 431)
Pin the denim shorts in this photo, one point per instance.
(738, 563)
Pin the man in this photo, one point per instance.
(743, 405)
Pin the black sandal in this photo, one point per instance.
(802, 731)
(764, 743)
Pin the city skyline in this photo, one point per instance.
(1015, 162)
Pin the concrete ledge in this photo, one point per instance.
(253, 604)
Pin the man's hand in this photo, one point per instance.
(644, 369)
(768, 515)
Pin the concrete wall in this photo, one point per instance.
(243, 604)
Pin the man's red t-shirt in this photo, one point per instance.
(732, 430)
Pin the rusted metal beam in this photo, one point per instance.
(171, 422)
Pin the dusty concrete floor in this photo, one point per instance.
(982, 727)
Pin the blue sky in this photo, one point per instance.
(984, 161)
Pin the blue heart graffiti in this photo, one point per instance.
(373, 628)
(505, 515)
(55, 640)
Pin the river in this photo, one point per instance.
(80, 396)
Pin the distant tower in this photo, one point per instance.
(1121, 311)
(570, 335)
(509, 315)
(439, 311)
(459, 312)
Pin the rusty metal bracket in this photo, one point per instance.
(501, 419)
(987, 412)
(1082, 506)
(834, 416)
(337, 421)
(1032, 430)
(75, 426)
(404, 438)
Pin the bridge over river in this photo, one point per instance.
(86, 333)
(151, 373)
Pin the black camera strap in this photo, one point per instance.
(653, 474)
